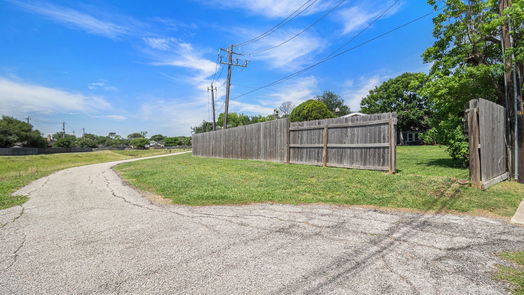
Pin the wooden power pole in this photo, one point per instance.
(213, 89)
(513, 94)
(229, 64)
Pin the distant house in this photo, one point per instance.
(155, 145)
(410, 137)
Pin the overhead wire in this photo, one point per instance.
(301, 32)
(289, 18)
(334, 55)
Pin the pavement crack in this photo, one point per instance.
(15, 218)
(15, 253)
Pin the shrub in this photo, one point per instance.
(310, 110)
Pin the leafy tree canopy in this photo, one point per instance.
(139, 143)
(467, 63)
(334, 102)
(157, 137)
(310, 110)
(63, 140)
(13, 131)
(403, 96)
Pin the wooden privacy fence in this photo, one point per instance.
(262, 141)
(363, 142)
(487, 143)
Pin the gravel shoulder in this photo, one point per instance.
(84, 231)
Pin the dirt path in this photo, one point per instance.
(84, 231)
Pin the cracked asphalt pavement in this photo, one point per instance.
(84, 231)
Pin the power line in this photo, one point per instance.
(289, 18)
(366, 28)
(331, 56)
(301, 32)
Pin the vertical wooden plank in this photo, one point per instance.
(392, 146)
(288, 141)
(325, 147)
(474, 141)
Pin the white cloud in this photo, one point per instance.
(174, 115)
(115, 117)
(289, 56)
(355, 92)
(74, 18)
(20, 98)
(171, 52)
(101, 85)
(296, 91)
(360, 15)
(270, 8)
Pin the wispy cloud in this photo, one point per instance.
(355, 91)
(296, 91)
(289, 56)
(171, 52)
(101, 85)
(360, 15)
(74, 18)
(269, 8)
(115, 117)
(19, 98)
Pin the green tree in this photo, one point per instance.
(403, 96)
(63, 140)
(204, 127)
(157, 137)
(13, 131)
(134, 135)
(139, 143)
(87, 140)
(310, 110)
(467, 63)
(334, 103)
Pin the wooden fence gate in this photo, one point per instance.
(487, 143)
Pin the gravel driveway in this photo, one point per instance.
(84, 231)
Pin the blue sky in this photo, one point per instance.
(125, 66)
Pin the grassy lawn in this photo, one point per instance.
(427, 180)
(18, 171)
(513, 275)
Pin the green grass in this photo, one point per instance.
(427, 180)
(513, 275)
(18, 171)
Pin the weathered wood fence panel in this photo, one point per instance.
(262, 141)
(487, 130)
(363, 142)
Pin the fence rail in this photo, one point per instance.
(363, 142)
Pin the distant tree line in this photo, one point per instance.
(327, 105)
(14, 132)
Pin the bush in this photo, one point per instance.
(310, 110)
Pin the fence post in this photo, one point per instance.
(324, 148)
(392, 135)
(474, 141)
(288, 148)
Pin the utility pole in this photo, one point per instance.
(515, 122)
(213, 89)
(230, 64)
(27, 119)
(63, 128)
(83, 132)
